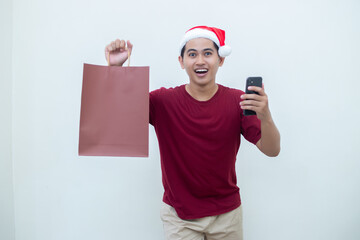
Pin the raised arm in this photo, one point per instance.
(269, 142)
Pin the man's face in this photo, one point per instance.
(201, 61)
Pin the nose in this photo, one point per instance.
(200, 60)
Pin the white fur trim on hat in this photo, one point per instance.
(224, 51)
(199, 33)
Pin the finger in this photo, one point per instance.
(117, 43)
(113, 45)
(254, 106)
(254, 99)
(251, 96)
(251, 103)
(108, 48)
(130, 46)
(255, 88)
(249, 107)
(122, 45)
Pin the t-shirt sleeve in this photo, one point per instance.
(251, 128)
(154, 101)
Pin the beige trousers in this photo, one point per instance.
(227, 226)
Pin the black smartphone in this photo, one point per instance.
(252, 81)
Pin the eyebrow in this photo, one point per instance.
(204, 50)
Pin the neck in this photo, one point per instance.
(202, 93)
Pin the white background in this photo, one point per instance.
(306, 51)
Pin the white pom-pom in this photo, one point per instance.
(224, 51)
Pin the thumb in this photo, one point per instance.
(129, 46)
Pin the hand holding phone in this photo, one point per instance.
(252, 81)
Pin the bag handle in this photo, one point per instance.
(128, 51)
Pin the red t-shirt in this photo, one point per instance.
(198, 144)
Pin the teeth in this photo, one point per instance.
(201, 70)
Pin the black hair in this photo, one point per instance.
(183, 50)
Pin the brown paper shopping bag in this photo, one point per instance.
(114, 118)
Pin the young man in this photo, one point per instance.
(198, 126)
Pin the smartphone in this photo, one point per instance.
(252, 81)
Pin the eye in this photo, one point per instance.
(208, 53)
(192, 54)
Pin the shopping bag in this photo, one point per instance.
(114, 118)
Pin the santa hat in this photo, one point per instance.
(215, 34)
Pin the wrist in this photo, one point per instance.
(266, 118)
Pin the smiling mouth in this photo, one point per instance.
(201, 71)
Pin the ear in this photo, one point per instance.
(222, 60)
(181, 61)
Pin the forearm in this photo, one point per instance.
(269, 142)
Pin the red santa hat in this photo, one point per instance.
(215, 34)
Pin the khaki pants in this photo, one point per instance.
(227, 226)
